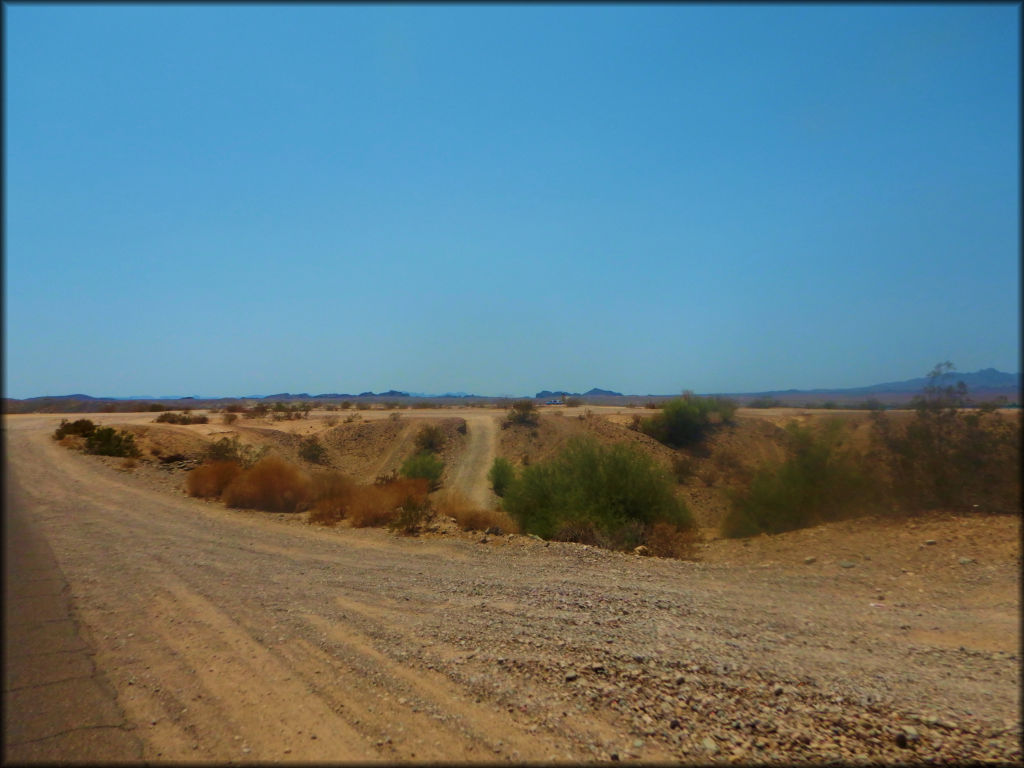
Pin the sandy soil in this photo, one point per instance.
(241, 636)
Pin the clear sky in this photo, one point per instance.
(235, 200)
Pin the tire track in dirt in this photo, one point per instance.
(470, 474)
(205, 675)
(391, 460)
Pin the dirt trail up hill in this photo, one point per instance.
(242, 636)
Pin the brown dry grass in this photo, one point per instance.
(665, 540)
(332, 493)
(336, 497)
(272, 484)
(373, 505)
(210, 479)
(471, 517)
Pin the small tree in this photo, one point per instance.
(523, 412)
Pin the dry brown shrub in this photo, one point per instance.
(373, 505)
(272, 484)
(666, 540)
(472, 518)
(210, 479)
(71, 441)
(332, 493)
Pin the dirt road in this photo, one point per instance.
(232, 635)
(470, 476)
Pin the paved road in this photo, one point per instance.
(57, 705)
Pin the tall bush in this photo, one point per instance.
(501, 475)
(820, 479)
(424, 465)
(686, 420)
(611, 496)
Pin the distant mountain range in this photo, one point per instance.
(979, 383)
(547, 394)
(988, 378)
(985, 384)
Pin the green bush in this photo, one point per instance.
(425, 465)
(430, 438)
(611, 496)
(501, 475)
(82, 427)
(820, 480)
(312, 451)
(107, 441)
(686, 420)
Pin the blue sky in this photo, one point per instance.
(233, 200)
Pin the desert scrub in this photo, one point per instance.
(470, 517)
(107, 441)
(378, 504)
(311, 450)
(950, 456)
(501, 475)
(230, 449)
(606, 495)
(430, 438)
(271, 484)
(686, 420)
(820, 480)
(424, 465)
(209, 479)
(170, 417)
(522, 412)
(332, 492)
(412, 516)
(80, 427)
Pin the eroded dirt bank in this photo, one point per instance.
(244, 636)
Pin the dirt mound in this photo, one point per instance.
(163, 441)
